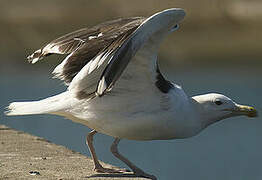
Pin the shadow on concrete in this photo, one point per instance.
(126, 175)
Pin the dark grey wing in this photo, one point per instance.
(72, 41)
(96, 48)
(85, 81)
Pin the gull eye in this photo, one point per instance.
(218, 102)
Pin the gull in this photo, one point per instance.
(115, 86)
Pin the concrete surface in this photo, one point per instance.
(23, 156)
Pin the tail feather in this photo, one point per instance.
(46, 106)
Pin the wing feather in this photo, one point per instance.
(85, 82)
(84, 45)
(70, 42)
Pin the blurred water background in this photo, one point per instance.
(217, 49)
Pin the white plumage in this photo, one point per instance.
(116, 87)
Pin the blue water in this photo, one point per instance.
(228, 150)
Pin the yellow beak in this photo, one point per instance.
(245, 110)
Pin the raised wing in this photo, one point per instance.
(85, 44)
(146, 39)
(70, 42)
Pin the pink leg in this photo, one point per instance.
(137, 171)
(97, 166)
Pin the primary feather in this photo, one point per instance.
(85, 44)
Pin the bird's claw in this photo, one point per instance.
(110, 170)
(145, 175)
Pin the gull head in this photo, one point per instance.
(214, 107)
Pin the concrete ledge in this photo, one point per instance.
(23, 156)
